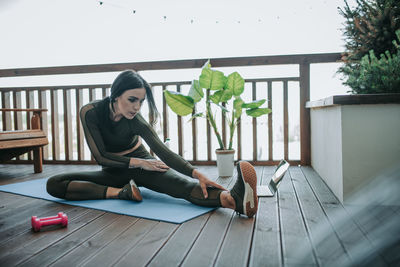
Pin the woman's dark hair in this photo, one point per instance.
(130, 79)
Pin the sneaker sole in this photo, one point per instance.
(135, 191)
(250, 200)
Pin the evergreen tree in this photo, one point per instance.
(371, 25)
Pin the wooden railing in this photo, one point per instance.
(67, 143)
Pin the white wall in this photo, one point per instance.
(351, 144)
(326, 147)
(371, 142)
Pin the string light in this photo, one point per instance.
(109, 3)
(114, 5)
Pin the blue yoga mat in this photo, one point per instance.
(155, 206)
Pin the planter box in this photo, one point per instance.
(353, 139)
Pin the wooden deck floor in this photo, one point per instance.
(219, 238)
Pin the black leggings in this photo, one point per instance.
(93, 185)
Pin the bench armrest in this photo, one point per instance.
(35, 120)
(24, 109)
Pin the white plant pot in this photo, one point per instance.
(225, 162)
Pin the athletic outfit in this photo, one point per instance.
(106, 137)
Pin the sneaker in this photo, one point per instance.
(130, 192)
(244, 192)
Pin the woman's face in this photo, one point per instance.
(129, 103)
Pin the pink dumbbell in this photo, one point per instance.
(37, 223)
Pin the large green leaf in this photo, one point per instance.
(235, 83)
(221, 96)
(257, 112)
(212, 79)
(227, 94)
(237, 105)
(254, 104)
(196, 92)
(179, 103)
(216, 97)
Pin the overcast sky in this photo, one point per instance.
(72, 32)
(55, 32)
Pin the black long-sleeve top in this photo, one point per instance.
(105, 137)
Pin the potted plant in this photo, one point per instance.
(223, 92)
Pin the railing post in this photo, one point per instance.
(270, 125)
(68, 149)
(79, 133)
(165, 116)
(305, 138)
(30, 103)
(194, 132)
(55, 127)
(208, 134)
(254, 97)
(285, 121)
(180, 128)
(44, 119)
(7, 117)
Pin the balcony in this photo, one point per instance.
(285, 224)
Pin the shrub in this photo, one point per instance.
(376, 76)
(371, 25)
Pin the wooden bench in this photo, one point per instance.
(18, 142)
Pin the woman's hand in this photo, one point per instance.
(205, 182)
(149, 164)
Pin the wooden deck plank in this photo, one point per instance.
(293, 229)
(21, 172)
(9, 203)
(266, 246)
(237, 242)
(67, 243)
(9, 198)
(33, 206)
(25, 175)
(349, 233)
(17, 208)
(88, 248)
(197, 256)
(370, 220)
(41, 241)
(326, 250)
(109, 254)
(174, 252)
(205, 250)
(9, 172)
(219, 238)
(148, 247)
(21, 229)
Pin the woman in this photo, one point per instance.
(113, 129)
